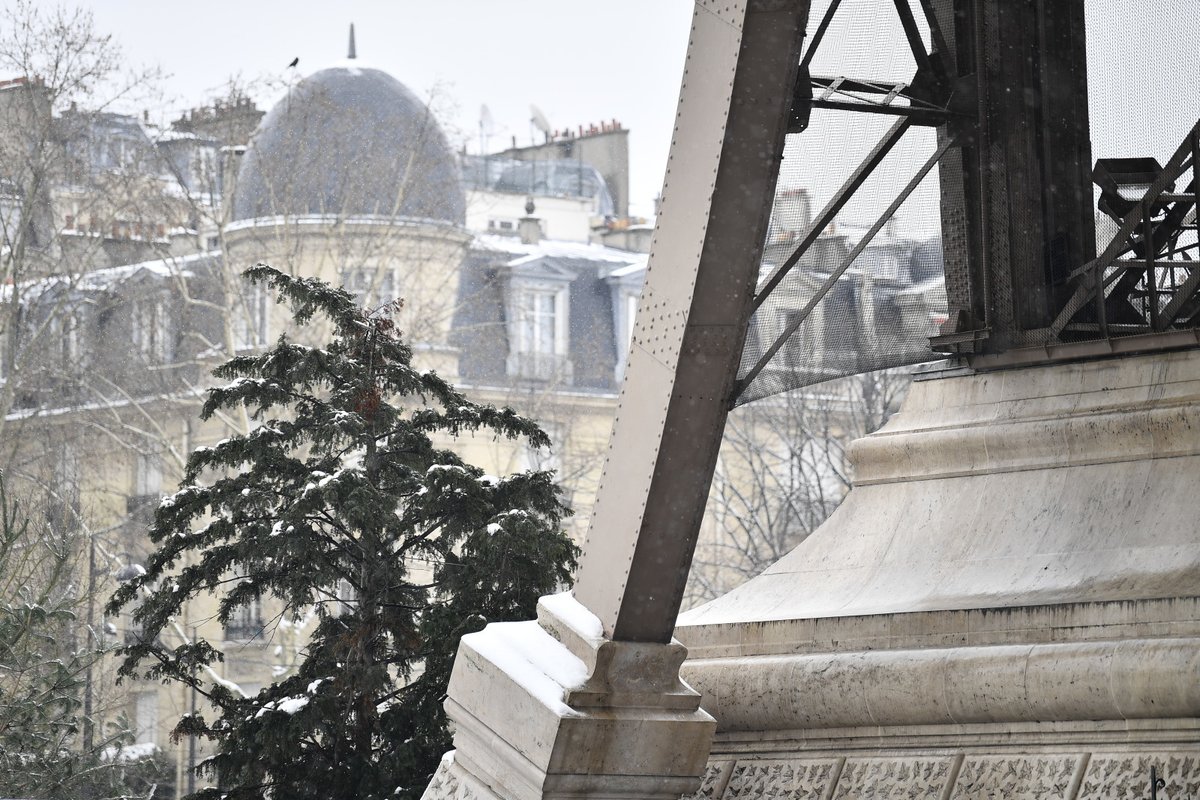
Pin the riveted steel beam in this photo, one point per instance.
(742, 62)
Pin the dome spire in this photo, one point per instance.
(352, 53)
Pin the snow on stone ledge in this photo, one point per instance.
(575, 614)
(534, 659)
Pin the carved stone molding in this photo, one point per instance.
(1120, 775)
(888, 778)
(1024, 776)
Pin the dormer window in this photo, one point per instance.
(538, 350)
(64, 330)
(625, 285)
(538, 310)
(540, 325)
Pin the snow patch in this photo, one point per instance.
(557, 249)
(182, 495)
(575, 614)
(517, 513)
(228, 684)
(534, 659)
(288, 705)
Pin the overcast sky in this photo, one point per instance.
(578, 62)
(581, 61)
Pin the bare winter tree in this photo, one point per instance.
(79, 189)
(60, 733)
(782, 470)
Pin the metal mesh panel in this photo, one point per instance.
(1143, 98)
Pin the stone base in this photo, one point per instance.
(549, 709)
(1007, 605)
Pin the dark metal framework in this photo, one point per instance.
(1148, 278)
(931, 99)
(1005, 85)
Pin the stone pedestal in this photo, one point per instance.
(550, 709)
(1006, 605)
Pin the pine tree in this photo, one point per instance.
(341, 485)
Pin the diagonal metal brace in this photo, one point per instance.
(829, 283)
(835, 204)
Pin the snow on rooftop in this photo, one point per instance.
(629, 269)
(105, 278)
(163, 267)
(354, 66)
(556, 249)
(187, 396)
(328, 219)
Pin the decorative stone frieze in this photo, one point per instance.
(1023, 776)
(1116, 776)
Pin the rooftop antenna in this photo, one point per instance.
(352, 53)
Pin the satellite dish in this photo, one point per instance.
(539, 120)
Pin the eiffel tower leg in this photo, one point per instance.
(587, 701)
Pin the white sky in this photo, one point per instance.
(578, 62)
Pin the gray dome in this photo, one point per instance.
(349, 141)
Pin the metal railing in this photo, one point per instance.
(1145, 280)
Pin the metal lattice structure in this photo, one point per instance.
(1003, 90)
(1147, 281)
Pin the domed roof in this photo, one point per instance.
(349, 141)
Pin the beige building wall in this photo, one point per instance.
(383, 259)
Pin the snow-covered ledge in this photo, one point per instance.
(551, 709)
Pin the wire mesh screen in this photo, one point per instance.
(870, 290)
